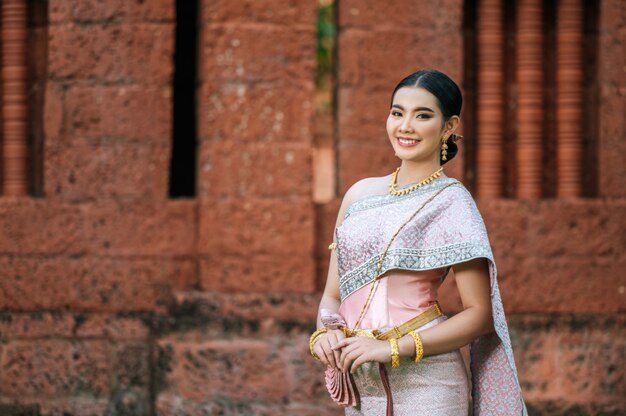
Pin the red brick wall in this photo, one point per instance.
(115, 298)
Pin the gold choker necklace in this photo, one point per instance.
(393, 186)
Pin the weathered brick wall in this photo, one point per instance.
(559, 261)
(115, 299)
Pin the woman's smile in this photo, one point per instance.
(407, 142)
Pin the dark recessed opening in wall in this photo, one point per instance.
(470, 80)
(183, 163)
(36, 63)
(591, 88)
(509, 96)
(548, 149)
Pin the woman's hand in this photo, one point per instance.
(323, 347)
(358, 350)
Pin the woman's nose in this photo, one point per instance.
(406, 125)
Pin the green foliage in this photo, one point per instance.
(326, 30)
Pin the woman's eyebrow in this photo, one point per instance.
(416, 109)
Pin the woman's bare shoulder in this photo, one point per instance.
(367, 187)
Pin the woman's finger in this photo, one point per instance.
(324, 356)
(332, 340)
(317, 349)
(330, 355)
(344, 353)
(357, 363)
(347, 360)
(343, 342)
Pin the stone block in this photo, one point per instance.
(562, 285)
(233, 52)
(445, 17)
(131, 367)
(585, 228)
(243, 113)
(203, 371)
(106, 169)
(58, 324)
(300, 13)
(268, 314)
(256, 226)
(31, 226)
(573, 359)
(133, 113)
(403, 52)
(258, 273)
(359, 160)
(505, 219)
(110, 326)
(114, 228)
(111, 11)
(231, 169)
(88, 284)
(129, 53)
(35, 325)
(54, 368)
(362, 115)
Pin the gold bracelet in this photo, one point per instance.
(395, 354)
(313, 340)
(419, 347)
(332, 246)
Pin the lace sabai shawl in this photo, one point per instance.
(448, 230)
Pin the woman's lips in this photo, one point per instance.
(406, 142)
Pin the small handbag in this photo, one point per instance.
(340, 384)
(341, 387)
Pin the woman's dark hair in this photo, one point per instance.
(447, 93)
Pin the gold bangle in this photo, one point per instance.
(332, 246)
(395, 354)
(313, 340)
(419, 347)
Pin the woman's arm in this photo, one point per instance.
(331, 298)
(472, 278)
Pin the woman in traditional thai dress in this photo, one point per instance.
(387, 346)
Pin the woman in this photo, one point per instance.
(387, 346)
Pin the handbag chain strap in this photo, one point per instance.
(380, 264)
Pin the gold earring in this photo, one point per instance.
(444, 148)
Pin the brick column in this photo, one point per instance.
(529, 98)
(490, 98)
(569, 98)
(14, 109)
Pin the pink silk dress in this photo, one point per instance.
(447, 230)
(438, 385)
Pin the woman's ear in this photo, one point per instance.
(451, 125)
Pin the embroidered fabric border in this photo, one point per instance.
(375, 201)
(411, 259)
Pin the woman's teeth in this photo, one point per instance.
(407, 142)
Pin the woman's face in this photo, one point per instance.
(415, 125)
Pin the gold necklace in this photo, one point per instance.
(393, 186)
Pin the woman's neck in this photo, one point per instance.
(412, 172)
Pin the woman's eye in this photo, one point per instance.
(423, 116)
(396, 114)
